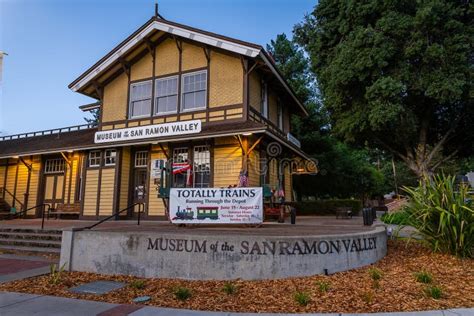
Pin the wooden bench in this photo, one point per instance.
(65, 209)
(344, 212)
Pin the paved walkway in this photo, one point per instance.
(15, 267)
(18, 304)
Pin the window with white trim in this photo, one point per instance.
(264, 94)
(141, 159)
(194, 88)
(166, 95)
(56, 165)
(95, 158)
(110, 157)
(181, 168)
(140, 99)
(202, 167)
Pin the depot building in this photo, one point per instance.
(179, 107)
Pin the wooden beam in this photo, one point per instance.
(252, 68)
(27, 165)
(240, 143)
(164, 151)
(98, 89)
(207, 52)
(151, 47)
(179, 44)
(254, 145)
(125, 66)
(66, 159)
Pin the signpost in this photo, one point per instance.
(216, 205)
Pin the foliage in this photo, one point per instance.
(325, 207)
(434, 292)
(396, 74)
(423, 277)
(138, 284)
(323, 286)
(344, 172)
(55, 274)
(375, 274)
(302, 298)
(182, 293)
(229, 288)
(368, 297)
(443, 214)
(396, 218)
(95, 117)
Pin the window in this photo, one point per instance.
(54, 165)
(202, 167)
(166, 95)
(194, 91)
(181, 168)
(264, 100)
(280, 115)
(141, 159)
(94, 158)
(140, 99)
(110, 157)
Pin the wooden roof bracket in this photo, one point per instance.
(240, 142)
(252, 68)
(125, 66)
(179, 44)
(207, 52)
(66, 159)
(254, 145)
(98, 89)
(151, 47)
(164, 151)
(244, 64)
(27, 165)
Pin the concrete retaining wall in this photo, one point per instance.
(198, 257)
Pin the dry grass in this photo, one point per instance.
(350, 292)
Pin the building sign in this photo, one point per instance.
(156, 166)
(292, 139)
(149, 131)
(216, 205)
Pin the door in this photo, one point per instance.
(53, 181)
(139, 185)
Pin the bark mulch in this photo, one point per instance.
(349, 292)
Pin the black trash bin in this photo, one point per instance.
(367, 216)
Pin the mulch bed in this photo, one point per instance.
(350, 292)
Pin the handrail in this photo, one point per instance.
(140, 209)
(33, 207)
(13, 196)
(49, 131)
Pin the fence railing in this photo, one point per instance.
(49, 132)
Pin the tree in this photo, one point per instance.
(396, 74)
(95, 117)
(295, 67)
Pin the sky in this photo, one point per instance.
(51, 42)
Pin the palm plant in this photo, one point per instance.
(443, 213)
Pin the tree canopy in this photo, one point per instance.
(396, 74)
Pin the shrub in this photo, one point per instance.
(375, 274)
(323, 286)
(423, 277)
(396, 218)
(55, 274)
(368, 297)
(229, 288)
(327, 207)
(434, 292)
(302, 298)
(182, 293)
(443, 214)
(138, 284)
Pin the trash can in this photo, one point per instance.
(367, 216)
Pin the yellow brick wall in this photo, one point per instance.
(167, 58)
(90, 194)
(255, 91)
(226, 80)
(115, 100)
(155, 204)
(193, 57)
(227, 163)
(142, 69)
(107, 192)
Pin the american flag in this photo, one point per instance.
(244, 179)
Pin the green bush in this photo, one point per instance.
(434, 292)
(327, 207)
(397, 218)
(138, 284)
(182, 293)
(443, 214)
(323, 286)
(302, 298)
(229, 288)
(375, 274)
(424, 277)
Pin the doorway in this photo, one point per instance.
(53, 181)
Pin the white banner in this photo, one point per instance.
(216, 205)
(149, 131)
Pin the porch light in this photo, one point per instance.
(300, 170)
(70, 151)
(247, 134)
(16, 157)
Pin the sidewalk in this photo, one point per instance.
(16, 267)
(19, 304)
